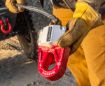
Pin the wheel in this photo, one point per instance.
(28, 25)
(27, 35)
(28, 44)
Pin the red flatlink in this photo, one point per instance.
(53, 55)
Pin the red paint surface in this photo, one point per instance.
(53, 55)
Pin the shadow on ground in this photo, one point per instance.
(20, 71)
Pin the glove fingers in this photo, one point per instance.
(20, 2)
(12, 8)
(70, 37)
(9, 4)
(20, 9)
(67, 38)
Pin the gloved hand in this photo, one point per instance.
(10, 4)
(84, 19)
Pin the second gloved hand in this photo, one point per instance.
(84, 19)
(10, 4)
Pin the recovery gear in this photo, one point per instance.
(7, 20)
(10, 4)
(52, 56)
(52, 60)
(5, 26)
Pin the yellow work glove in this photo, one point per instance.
(10, 4)
(84, 19)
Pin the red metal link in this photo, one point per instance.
(3, 30)
(54, 55)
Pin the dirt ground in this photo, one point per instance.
(17, 70)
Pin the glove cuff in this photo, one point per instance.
(86, 12)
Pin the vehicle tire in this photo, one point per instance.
(29, 45)
(29, 24)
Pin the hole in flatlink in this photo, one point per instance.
(49, 62)
(52, 61)
(51, 66)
